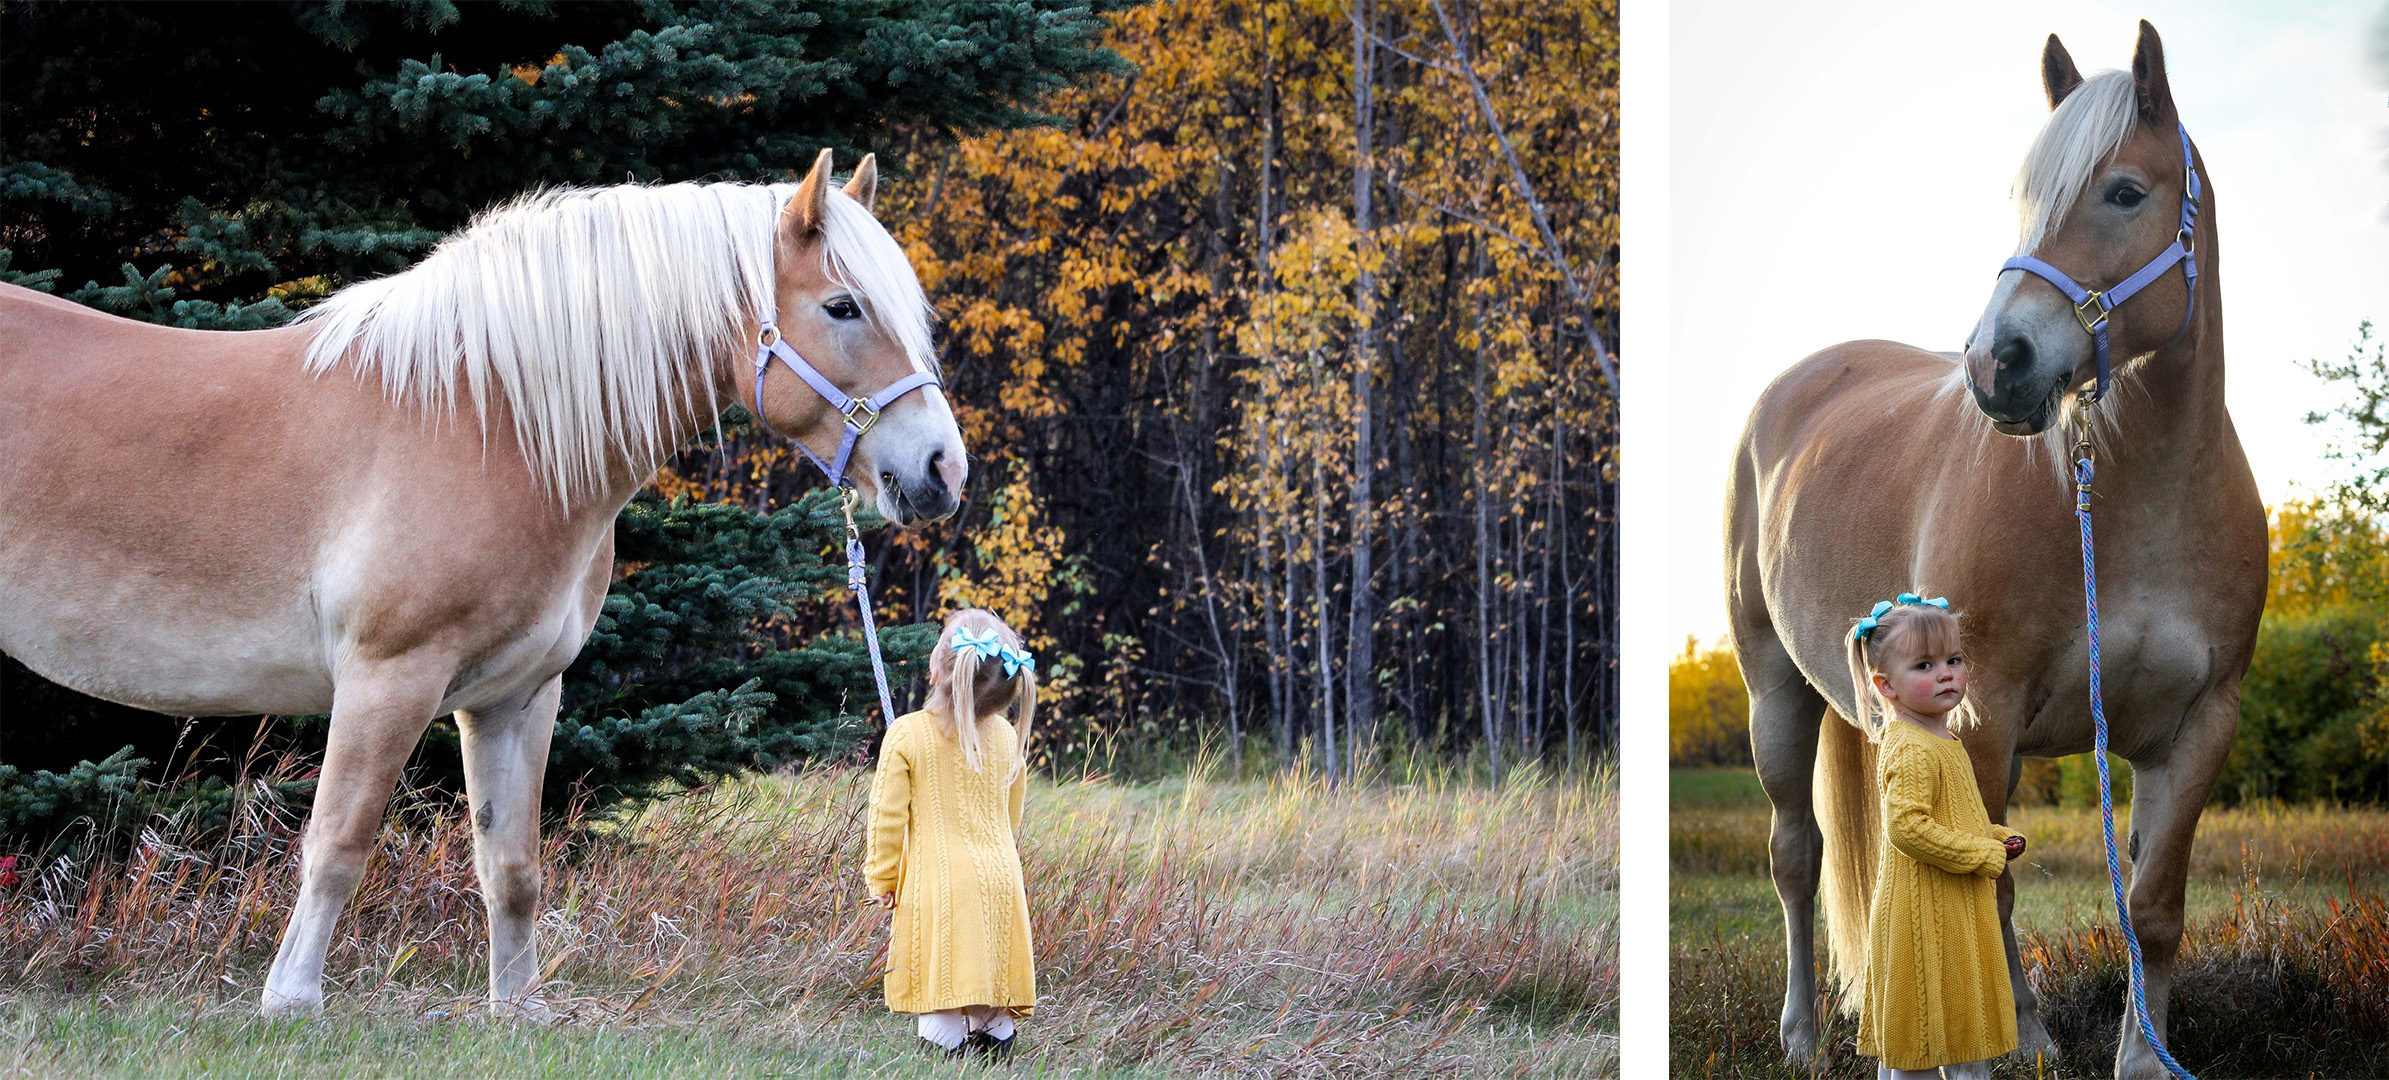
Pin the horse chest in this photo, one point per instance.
(2154, 665)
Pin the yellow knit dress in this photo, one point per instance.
(941, 839)
(1936, 969)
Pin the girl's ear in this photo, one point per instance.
(1883, 685)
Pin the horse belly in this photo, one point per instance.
(160, 652)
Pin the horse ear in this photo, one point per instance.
(2058, 75)
(805, 212)
(2148, 78)
(864, 184)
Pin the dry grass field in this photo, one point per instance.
(2285, 973)
(1259, 928)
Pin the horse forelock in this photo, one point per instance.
(2087, 128)
(861, 256)
(596, 314)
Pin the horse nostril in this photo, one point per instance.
(2013, 353)
(937, 476)
(887, 479)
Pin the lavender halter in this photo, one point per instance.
(2091, 308)
(860, 414)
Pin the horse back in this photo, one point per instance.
(1822, 509)
(190, 522)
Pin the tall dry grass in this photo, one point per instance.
(1278, 928)
(2284, 968)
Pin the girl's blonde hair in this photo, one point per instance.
(1903, 633)
(990, 691)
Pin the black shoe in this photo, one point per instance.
(931, 1048)
(985, 1045)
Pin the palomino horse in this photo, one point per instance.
(1866, 471)
(298, 520)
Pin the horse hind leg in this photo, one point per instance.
(505, 757)
(1784, 716)
(376, 720)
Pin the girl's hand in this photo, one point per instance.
(888, 902)
(2015, 847)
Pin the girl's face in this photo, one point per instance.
(1929, 685)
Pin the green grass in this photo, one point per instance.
(2285, 907)
(1704, 789)
(1188, 927)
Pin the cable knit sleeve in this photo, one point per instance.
(2002, 833)
(1908, 785)
(891, 812)
(1020, 795)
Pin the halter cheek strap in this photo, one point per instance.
(2091, 308)
(860, 413)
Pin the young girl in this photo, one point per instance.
(944, 807)
(1936, 990)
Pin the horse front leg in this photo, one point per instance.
(377, 717)
(1997, 772)
(2169, 792)
(505, 753)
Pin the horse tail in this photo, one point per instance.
(1847, 816)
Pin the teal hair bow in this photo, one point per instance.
(1866, 626)
(984, 641)
(1017, 661)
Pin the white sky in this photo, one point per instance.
(1840, 170)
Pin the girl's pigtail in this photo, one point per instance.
(962, 700)
(1028, 713)
(1862, 687)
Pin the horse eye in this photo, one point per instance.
(2126, 197)
(842, 309)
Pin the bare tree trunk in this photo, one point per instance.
(1484, 583)
(1325, 653)
(1561, 527)
(1286, 536)
(1360, 665)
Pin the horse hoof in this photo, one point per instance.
(523, 1010)
(277, 1005)
(2033, 1041)
(1799, 1047)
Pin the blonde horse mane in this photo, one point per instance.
(598, 314)
(2087, 128)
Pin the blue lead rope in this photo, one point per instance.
(858, 573)
(2098, 716)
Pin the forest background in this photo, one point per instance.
(1277, 330)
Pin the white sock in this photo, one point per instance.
(1885, 1072)
(995, 1020)
(1972, 1070)
(946, 1029)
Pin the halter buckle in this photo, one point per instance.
(2082, 313)
(870, 416)
(766, 336)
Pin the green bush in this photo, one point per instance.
(2309, 696)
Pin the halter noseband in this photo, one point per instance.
(860, 413)
(2091, 308)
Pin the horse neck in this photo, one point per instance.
(2172, 420)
